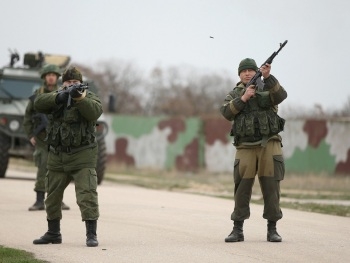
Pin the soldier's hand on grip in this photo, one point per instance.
(62, 97)
(250, 92)
(76, 91)
(265, 70)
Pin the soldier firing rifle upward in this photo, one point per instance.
(255, 128)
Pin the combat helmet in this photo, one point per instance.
(72, 73)
(50, 68)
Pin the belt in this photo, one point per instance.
(69, 149)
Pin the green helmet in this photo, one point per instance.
(72, 73)
(50, 68)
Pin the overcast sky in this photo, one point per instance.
(312, 66)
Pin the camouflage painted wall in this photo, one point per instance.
(155, 142)
(317, 146)
(188, 144)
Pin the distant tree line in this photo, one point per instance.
(174, 91)
(171, 91)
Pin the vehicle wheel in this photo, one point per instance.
(4, 154)
(101, 160)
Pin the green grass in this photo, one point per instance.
(10, 255)
(319, 195)
(338, 210)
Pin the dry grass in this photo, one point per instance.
(21, 164)
(313, 182)
(294, 188)
(293, 185)
(298, 191)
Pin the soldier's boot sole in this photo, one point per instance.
(235, 238)
(38, 205)
(65, 207)
(48, 238)
(91, 241)
(274, 237)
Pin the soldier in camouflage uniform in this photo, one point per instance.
(35, 127)
(259, 146)
(72, 154)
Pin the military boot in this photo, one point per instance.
(237, 233)
(272, 235)
(64, 206)
(53, 235)
(39, 203)
(91, 237)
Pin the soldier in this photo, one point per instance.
(72, 153)
(259, 146)
(35, 127)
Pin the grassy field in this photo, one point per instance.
(10, 255)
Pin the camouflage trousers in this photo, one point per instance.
(40, 159)
(266, 162)
(85, 181)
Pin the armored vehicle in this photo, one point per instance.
(17, 84)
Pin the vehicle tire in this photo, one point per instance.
(101, 159)
(4, 154)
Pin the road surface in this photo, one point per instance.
(143, 225)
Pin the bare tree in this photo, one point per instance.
(344, 111)
(172, 91)
(119, 80)
(185, 91)
(189, 93)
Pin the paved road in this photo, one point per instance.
(142, 225)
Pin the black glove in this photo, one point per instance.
(76, 91)
(62, 97)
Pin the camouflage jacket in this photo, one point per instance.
(71, 128)
(256, 118)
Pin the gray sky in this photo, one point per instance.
(311, 67)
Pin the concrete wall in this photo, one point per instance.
(187, 144)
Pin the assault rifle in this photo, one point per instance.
(80, 87)
(257, 76)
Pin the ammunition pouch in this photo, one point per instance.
(253, 126)
(70, 131)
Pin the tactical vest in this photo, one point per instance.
(68, 128)
(255, 123)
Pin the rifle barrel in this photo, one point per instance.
(268, 61)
